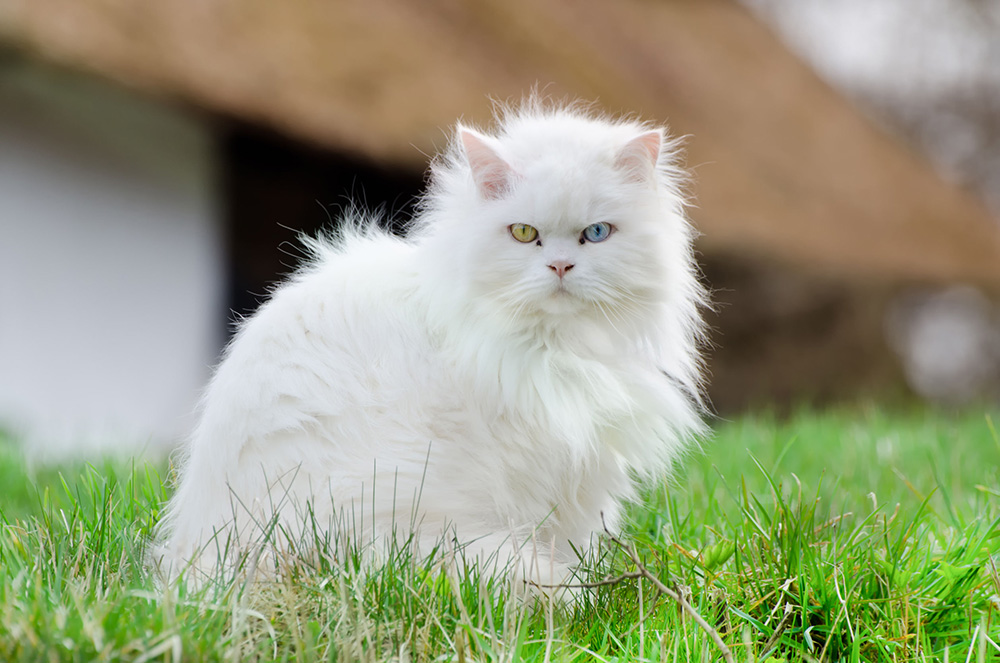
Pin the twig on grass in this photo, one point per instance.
(643, 572)
(779, 629)
(681, 601)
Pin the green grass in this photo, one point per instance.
(846, 535)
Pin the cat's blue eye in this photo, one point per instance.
(597, 232)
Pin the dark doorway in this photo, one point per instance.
(276, 188)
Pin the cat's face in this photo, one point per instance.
(559, 246)
(571, 232)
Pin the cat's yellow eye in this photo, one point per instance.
(522, 232)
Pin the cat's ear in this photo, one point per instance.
(639, 156)
(493, 175)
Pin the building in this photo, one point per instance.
(157, 158)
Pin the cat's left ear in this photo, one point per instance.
(493, 175)
(639, 156)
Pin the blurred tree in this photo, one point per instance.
(928, 70)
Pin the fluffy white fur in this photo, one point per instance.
(452, 383)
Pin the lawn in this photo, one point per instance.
(850, 535)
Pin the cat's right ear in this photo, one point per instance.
(492, 174)
(640, 155)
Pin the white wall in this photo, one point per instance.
(111, 267)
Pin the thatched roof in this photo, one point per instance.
(785, 168)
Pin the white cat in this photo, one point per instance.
(502, 377)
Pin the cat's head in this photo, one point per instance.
(560, 215)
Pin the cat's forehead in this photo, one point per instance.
(566, 198)
(568, 133)
(568, 170)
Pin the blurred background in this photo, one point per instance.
(158, 159)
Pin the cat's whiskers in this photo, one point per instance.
(623, 302)
(622, 293)
(605, 311)
(514, 302)
(517, 314)
(636, 305)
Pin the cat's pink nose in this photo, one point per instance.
(560, 267)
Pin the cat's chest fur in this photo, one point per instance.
(558, 392)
